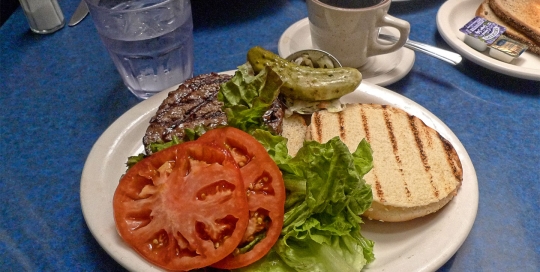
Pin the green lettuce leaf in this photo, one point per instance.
(275, 145)
(326, 194)
(189, 135)
(247, 97)
(271, 262)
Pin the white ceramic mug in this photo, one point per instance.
(348, 29)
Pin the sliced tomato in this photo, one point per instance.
(265, 190)
(182, 208)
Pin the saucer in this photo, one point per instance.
(381, 70)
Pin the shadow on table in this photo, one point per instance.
(499, 81)
(448, 265)
(401, 85)
(118, 100)
(7, 7)
(209, 14)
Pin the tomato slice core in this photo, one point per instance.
(265, 190)
(184, 207)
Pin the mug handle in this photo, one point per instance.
(402, 26)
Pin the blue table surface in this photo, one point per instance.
(60, 92)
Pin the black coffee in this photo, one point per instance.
(352, 3)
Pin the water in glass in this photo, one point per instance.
(152, 47)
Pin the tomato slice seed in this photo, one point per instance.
(183, 207)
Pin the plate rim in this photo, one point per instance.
(101, 153)
(449, 35)
(402, 69)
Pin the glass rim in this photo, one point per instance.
(92, 5)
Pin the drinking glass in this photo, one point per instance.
(149, 41)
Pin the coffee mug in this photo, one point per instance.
(348, 29)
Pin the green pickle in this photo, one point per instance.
(306, 83)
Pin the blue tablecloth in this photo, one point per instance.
(60, 92)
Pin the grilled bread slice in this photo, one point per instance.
(415, 170)
(524, 15)
(486, 12)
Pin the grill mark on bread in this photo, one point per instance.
(452, 158)
(365, 124)
(367, 121)
(395, 148)
(422, 152)
(342, 132)
(378, 189)
(419, 144)
(391, 135)
(318, 125)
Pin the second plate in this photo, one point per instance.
(453, 15)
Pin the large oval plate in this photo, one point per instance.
(423, 244)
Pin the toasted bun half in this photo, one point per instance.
(415, 170)
(294, 129)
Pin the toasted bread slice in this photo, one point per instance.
(486, 12)
(523, 15)
(294, 129)
(415, 170)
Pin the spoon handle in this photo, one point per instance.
(448, 56)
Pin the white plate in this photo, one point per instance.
(381, 70)
(423, 244)
(453, 15)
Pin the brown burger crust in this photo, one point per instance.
(193, 103)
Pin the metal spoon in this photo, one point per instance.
(315, 58)
(448, 56)
(314, 55)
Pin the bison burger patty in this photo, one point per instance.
(195, 103)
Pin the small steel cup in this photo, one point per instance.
(314, 58)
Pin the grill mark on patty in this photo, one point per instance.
(422, 152)
(193, 103)
(192, 114)
(395, 148)
(197, 88)
(378, 188)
